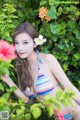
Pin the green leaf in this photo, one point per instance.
(6, 96)
(52, 13)
(56, 103)
(18, 117)
(58, 94)
(49, 99)
(54, 39)
(19, 111)
(22, 108)
(53, 28)
(69, 100)
(77, 56)
(37, 113)
(28, 116)
(51, 2)
(60, 10)
(9, 39)
(60, 46)
(64, 103)
(50, 110)
(12, 116)
(65, 67)
(78, 35)
(43, 2)
(7, 33)
(5, 108)
(1, 87)
(20, 13)
(13, 88)
(37, 105)
(14, 104)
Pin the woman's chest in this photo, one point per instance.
(44, 81)
(43, 69)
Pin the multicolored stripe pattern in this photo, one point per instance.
(43, 85)
(68, 116)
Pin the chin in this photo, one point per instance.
(22, 57)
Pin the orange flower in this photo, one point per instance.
(47, 18)
(42, 14)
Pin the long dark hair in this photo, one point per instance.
(24, 77)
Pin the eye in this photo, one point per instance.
(16, 43)
(25, 43)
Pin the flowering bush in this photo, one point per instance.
(6, 56)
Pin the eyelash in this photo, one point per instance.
(15, 43)
(23, 43)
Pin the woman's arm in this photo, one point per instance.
(17, 92)
(61, 77)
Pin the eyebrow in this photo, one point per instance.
(23, 40)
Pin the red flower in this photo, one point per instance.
(60, 116)
(6, 51)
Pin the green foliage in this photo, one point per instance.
(63, 41)
(4, 106)
(19, 110)
(4, 67)
(7, 21)
(1, 87)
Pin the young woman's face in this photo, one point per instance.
(24, 45)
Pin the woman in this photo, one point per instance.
(39, 74)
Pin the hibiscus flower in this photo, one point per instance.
(7, 51)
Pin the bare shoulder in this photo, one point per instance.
(49, 57)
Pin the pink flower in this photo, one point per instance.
(6, 51)
(60, 116)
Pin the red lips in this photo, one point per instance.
(21, 53)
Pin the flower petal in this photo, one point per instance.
(6, 51)
(36, 39)
(40, 37)
(44, 40)
(39, 40)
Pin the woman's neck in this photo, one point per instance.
(32, 58)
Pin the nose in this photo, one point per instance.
(20, 47)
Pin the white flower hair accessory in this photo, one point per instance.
(39, 40)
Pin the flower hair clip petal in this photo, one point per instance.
(39, 40)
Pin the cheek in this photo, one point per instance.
(30, 47)
(16, 48)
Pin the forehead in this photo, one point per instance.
(23, 36)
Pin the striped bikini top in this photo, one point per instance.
(43, 84)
